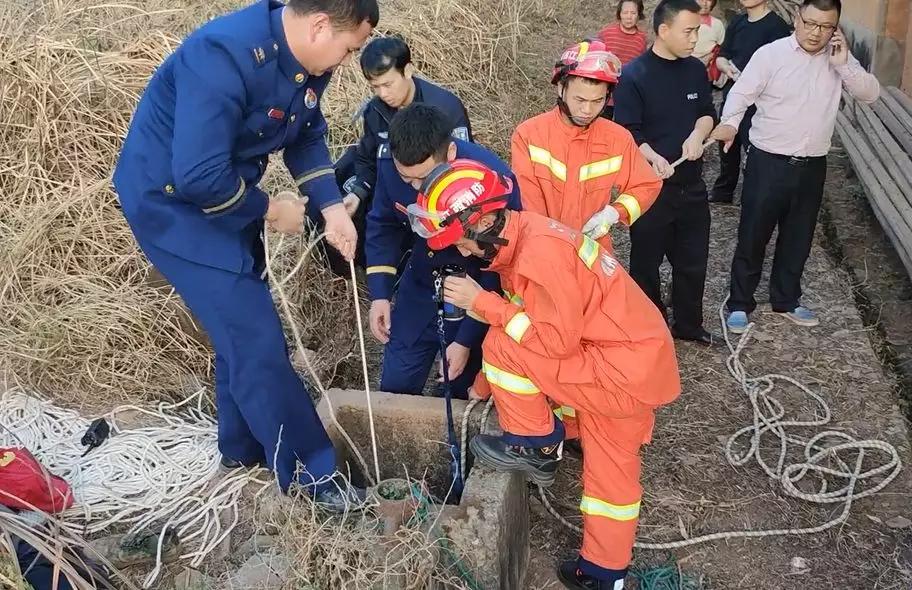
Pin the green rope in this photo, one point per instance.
(663, 578)
(421, 515)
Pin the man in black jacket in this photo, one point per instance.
(387, 65)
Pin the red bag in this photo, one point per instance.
(25, 483)
(711, 68)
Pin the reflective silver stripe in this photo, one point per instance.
(588, 251)
(600, 168)
(508, 381)
(517, 326)
(631, 205)
(596, 507)
(381, 269)
(543, 156)
(230, 202)
(305, 178)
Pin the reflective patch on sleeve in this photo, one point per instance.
(313, 175)
(623, 512)
(588, 251)
(380, 269)
(631, 205)
(517, 326)
(461, 133)
(508, 381)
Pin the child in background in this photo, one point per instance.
(709, 41)
(624, 38)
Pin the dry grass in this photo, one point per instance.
(82, 318)
(388, 545)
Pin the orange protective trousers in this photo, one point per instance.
(611, 431)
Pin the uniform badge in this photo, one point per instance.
(310, 98)
(259, 55)
(276, 114)
(461, 133)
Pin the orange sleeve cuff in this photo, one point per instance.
(493, 308)
(623, 215)
(481, 386)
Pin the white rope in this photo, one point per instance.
(166, 473)
(768, 414)
(370, 409)
(296, 334)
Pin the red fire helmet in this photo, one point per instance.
(588, 59)
(454, 196)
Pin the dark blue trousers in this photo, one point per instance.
(257, 392)
(407, 362)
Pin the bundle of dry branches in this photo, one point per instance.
(81, 316)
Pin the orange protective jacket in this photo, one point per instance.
(567, 173)
(572, 303)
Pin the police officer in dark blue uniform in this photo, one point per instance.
(419, 140)
(386, 63)
(241, 87)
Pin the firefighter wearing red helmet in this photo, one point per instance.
(576, 167)
(573, 330)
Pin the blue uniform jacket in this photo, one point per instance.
(416, 310)
(377, 117)
(200, 139)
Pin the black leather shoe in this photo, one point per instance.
(340, 496)
(229, 463)
(571, 577)
(539, 465)
(702, 338)
(715, 198)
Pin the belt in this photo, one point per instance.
(790, 160)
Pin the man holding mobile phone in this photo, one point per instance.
(796, 84)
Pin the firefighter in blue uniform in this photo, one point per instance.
(241, 87)
(386, 63)
(419, 141)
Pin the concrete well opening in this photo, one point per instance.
(489, 527)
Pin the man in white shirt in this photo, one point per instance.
(796, 84)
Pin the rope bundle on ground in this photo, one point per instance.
(159, 477)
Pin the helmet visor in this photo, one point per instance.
(426, 224)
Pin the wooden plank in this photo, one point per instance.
(882, 192)
(891, 156)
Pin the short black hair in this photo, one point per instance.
(346, 14)
(824, 5)
(641, 11)
(667, 10)
(418, 132)
(383, 54)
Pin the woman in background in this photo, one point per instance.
(709, 41)
(624, 38)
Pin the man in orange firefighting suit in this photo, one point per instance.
(575, 166)
(572, 329)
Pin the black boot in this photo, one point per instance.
(571, 577)
(340, 496)
(229, 463)
(540, 465)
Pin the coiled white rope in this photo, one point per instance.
(768, 418)
(164, 474)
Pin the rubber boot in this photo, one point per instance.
(539, 465)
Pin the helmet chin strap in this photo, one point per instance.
(489, 239)
(562, 105)
(566, 111)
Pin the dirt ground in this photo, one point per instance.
(689, 486)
